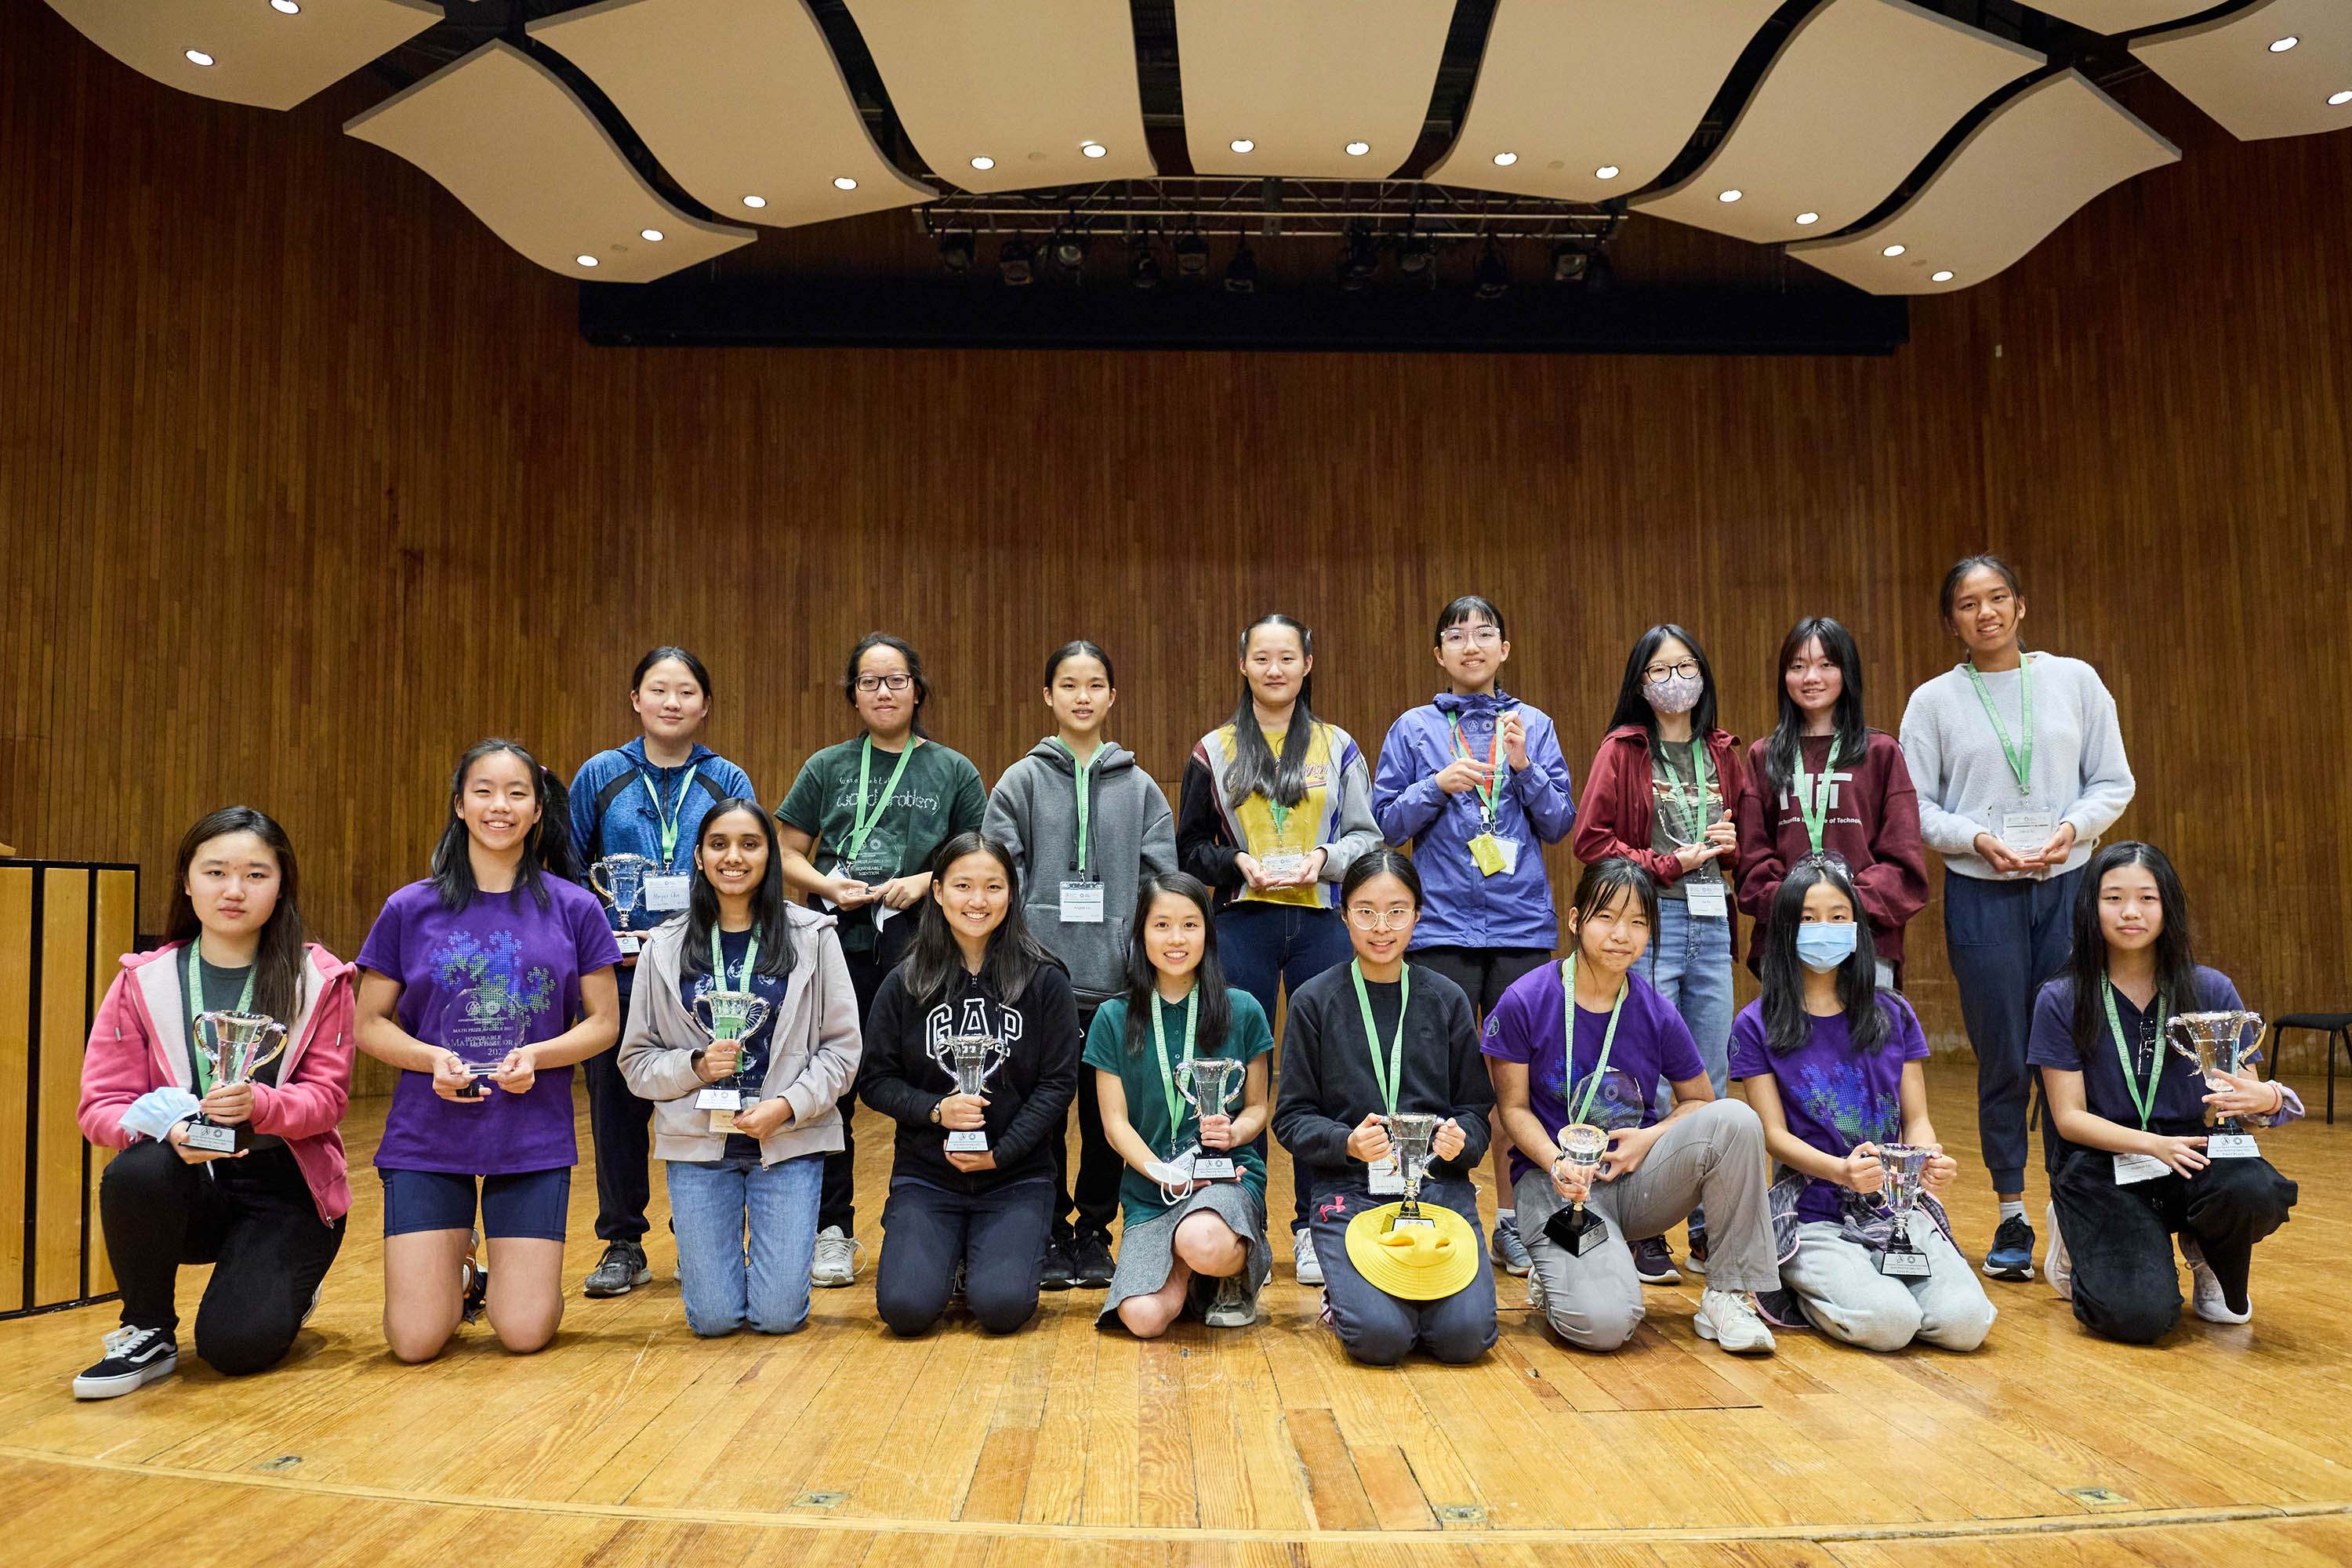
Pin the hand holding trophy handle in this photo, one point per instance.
(1207, 1083)
(1581, 1147)
(727, 1018)
(236, 1045)
(2216, 1042)
(971, 1060)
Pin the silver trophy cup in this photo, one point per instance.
(1412, 1132)
(1905, 1165)
(1207, 1083)
(2216, 1042)
(620, 878)
(727, 1016)
(236, 1045)
(969, 1060)
(1581, 1147)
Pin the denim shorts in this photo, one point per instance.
(527, 1203)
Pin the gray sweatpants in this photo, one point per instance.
(1838, 1283)
(1714, 1155)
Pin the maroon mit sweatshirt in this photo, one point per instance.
(1874, 823)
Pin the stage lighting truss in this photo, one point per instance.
(1412, 216)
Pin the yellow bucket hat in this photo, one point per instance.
(1417, 1263)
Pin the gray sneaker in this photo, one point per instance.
(1235, 1307)
(1302, 1257)
(622, 1269)
(838, 1257)
(1510, 1253)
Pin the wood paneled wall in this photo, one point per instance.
(308, 482)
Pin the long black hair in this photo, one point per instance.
(1632, 708)
(769, 916)
(2176, 954)
(546, 849)
(1015, 956)
(1208, 975)
(905, 650)
(1852, 739)
(693, 668)
(1601, 884)
(277, 961)
(1255, 768)
(1787, 1025)
(1077, 647)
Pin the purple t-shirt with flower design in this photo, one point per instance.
(501, 964)
(1832, 1096)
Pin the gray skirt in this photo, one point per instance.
(1147, 1253)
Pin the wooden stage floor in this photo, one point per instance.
(630, 1441)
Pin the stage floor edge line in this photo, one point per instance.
(2112, 1519)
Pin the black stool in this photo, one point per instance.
(2337, 1025)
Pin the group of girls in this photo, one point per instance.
(1071, 921)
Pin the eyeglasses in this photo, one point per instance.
(1463, 636)
(1366, 919)
(870, 684)
(1687, 669)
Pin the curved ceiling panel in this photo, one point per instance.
(1862, 91)
(1570, 88)
(2112, 16)
(248, 51)
(1288, 87)
(2236, 70)
(743, 102)
(509, 138)
(2031, 164)
(1024, 87)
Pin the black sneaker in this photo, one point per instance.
(1058, 1275)
(134, 1358)
(2011, 1254)
(1655, 1263)
(474, 1283)
(1092, 1262)
(620, 1270)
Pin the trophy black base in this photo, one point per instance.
(1903, 1264)
(1575, 1231)
(972, 1142)
(212, 1138)
(1213, 1170)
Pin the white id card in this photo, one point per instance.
(1387, 1180)
(1082, 902)
(1711, 900)
(667, 891)
(1510, 848)
(718, 1100)
(2027, 831)
(628, 941)
(2130, 1168)
(2231, 1146)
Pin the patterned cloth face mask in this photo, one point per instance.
(1676, 693)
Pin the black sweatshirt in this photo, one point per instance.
(1328, 1085)
(1028, 1095)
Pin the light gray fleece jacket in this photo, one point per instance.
(813, 1051)
(1034, 810)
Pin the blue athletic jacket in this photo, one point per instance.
(630, 824)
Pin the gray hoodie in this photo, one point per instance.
(1034, 810)
(812, 1052)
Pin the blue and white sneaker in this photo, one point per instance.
(134, 1358)
(2012, 1256)
(1510, 1253)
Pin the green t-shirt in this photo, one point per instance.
(938, 797)
(1247, 1040)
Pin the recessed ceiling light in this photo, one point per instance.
(1807, 219)
(653, 234)
(198, 57)
(2341, 97)
(585, 260)
(1606, 171)
(983, 161)
(1505, 160)
(285, 7)
(755, 201)
(843, 182)
(1093, 149)
(1244, 144)
(1358, 148)
(1730, 196)
(2280, 46)
(1892, 251)
(1944, 277)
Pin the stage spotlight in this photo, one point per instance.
(1416, 257)
(1490, 280)
(955, 253)
(1017, 261)
(1070, 251)
(1142, 266)
(1360, 263)
(1240, 272)
(1192, 256)
(1567, 263)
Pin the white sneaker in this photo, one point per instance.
(837, 1260)
(2057, 1267)
(1728, 1317)
(314, 1303)
(1535, 1290)
(1302, 1257)
(2205, 1288)
(1235, 1307)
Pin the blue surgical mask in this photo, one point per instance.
(1822, 947)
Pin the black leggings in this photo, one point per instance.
(253, 1220)
(836, 1202)
(1483, 972)
(1099, 1165)
(999, 1237)
(2127, 1286)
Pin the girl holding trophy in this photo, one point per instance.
(2146, 1064)
(1831, 1065)
(484, 984)
(1183, 1100)
(238, 1025)
(743, 1033)
(1274, 806)
(972, 1048)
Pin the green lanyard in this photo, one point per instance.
(195, 990)
(869, 813)
(1160, 1055)
(1693, 809)
(719, 957)
(668, 819)
(1812, 793)
(1567, 1028)
(1392, 1079)
(1086, 805)
(2143, 1101)
(2020, 760)
(1493, 787)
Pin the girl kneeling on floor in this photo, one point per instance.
(1831, 1065)
(1192, 1240)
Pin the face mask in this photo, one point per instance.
(1675, 694)
(1822, 947)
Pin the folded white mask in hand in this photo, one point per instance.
(1169, 1176)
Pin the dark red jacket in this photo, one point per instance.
(1619, 809)
(1874, 823)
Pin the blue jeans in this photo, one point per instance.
(1690, 963)
(1268, 948)
(2004, 940)
(724, 1283)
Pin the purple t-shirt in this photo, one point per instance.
(1528, 1025)
(501, 964)
(1832, 1096)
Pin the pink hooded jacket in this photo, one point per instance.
(140, 1042)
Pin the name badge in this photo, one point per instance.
(722, 1122)
(628, 943)
(2231, 1146)
(1082, 902)
(1213, 1168)
(2027, 831)
(667, 891)
(1387, 1180)
(718, 1100)
(2130, 1168)
(1711, 900)
(1495, 857)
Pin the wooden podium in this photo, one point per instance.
(63, 924)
